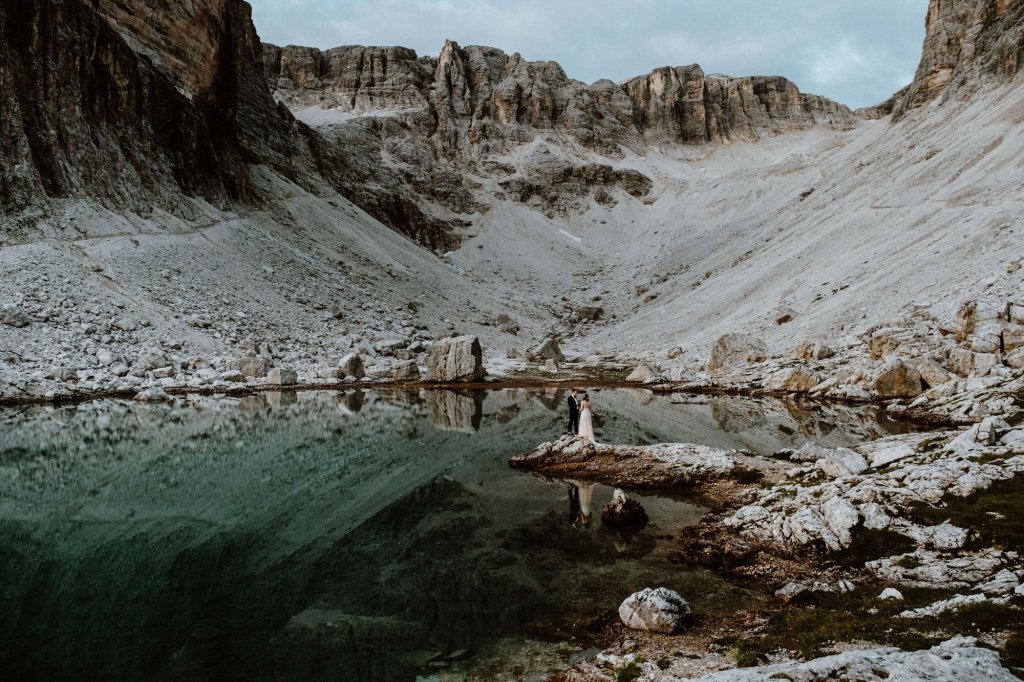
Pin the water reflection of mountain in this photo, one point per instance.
(301, 536)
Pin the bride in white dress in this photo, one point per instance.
(586, 419)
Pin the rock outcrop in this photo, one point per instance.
(670, 465)
(967, 43)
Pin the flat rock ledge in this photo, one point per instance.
(955, 660)
(666, 465)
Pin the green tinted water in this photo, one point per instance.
(335, 536)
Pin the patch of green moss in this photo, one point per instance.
(931, 444)
(993, 515)
(628, 672)
(857, 615)
(663, 663)
(869, 544)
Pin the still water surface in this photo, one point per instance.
(343, 536)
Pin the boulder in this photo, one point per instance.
(151, 357)
(1015, 359)
(622, 511)
(655, 610)
(282, 376)
(932, 373)
(732, 350)
(798, 380)
(813, 350)
(153, 394)
(897, 379)
(547, 350)
(1013, 337)
(455, 359)
(842, 462)
(507, 324)
(884, 456)
(550, 365)
(891, 593)
(405, 370)
(967, 363)
(14, 316)
(589, 313)
(645, 374)
(352, 366)
(253, 366)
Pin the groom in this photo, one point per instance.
(574, 413)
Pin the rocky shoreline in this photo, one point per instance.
(914, 536)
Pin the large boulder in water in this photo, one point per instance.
(459, 358)
(732, 350)
(658, 610)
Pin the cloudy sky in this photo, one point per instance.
(855, 51)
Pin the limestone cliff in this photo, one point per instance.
(480, 100)
(146, 105)
(967, 43)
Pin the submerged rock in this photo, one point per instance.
(622, 511)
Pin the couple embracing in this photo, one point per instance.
(581, 421)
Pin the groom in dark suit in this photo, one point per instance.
(574, 413)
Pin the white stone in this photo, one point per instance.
(656, 610)
(875, 516)
(880, 458)
(957, 660)
(840, 516)
(891, 593)
(842, 462)
(954, 603)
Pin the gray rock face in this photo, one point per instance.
(733, 350)
(655, 610)
(967, 42)
(455, 359)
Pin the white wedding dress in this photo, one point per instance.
(587, 425)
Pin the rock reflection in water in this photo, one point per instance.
(455, 410)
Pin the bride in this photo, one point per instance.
(586, 419)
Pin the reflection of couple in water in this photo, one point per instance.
(581, 495)
(581, 419)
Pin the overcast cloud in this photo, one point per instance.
(854, 51)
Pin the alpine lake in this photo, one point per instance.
(354, 535)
